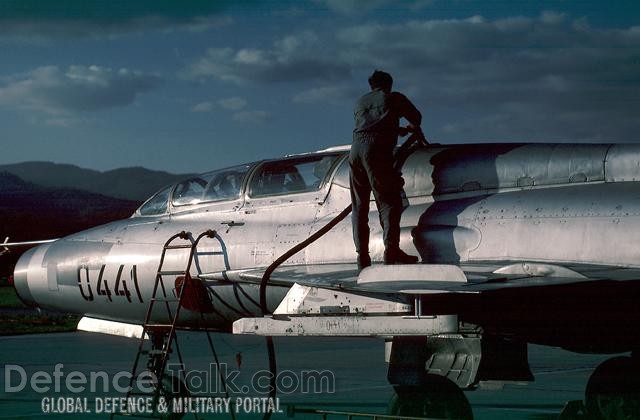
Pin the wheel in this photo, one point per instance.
(437, 398)
(613, 390)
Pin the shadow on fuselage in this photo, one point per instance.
(440, 235)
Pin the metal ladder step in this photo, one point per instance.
(172, 273)
(145, 326)
(170, 300)
(152, 352)
(178, 247)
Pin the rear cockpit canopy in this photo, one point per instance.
(295, 175)
(292, 175)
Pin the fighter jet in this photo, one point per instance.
(519, 243)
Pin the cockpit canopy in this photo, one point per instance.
(224, 184)
(278, 177)
(291, 176)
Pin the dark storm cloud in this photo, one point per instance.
(34, 19)
(518, 78)
(54, 91)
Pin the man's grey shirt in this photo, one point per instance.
(378, 113)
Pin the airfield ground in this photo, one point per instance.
(357, 366)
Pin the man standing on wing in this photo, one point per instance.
(377, 127)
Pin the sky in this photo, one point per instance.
(192, 86)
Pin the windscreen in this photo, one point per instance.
(157, 204)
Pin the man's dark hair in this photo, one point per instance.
(380, 80)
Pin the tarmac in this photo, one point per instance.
(41, 370)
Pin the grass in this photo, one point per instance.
(36, 324)
(9, 298)
(16, 318)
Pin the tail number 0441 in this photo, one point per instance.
(124, 286)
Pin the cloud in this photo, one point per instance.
(30, 20)
(236, 106)
(235, 103)
(55, 91)
(514, 78)
(253, 117)
(326, 94)
(64, 122)
(202, 107)
(298, 57)
(349, 7)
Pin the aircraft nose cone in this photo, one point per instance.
(21, 277)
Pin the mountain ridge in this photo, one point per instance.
(32, 212)
(129, 183)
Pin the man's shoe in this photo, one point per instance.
(364, 261)
(399, 257)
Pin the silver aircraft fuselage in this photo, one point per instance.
(560, 204)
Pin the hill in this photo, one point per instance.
(30, 212)
(126, 183)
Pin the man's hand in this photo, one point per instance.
(420, 136)
(410, 128)
(416, 133)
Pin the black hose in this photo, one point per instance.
(272, 369)
(282, 258)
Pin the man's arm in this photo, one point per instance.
(407, 110)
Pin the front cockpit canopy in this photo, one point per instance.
(291, 175)
(220, 185)
(224, 184)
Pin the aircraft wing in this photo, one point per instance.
(428, 278)
(428, 299)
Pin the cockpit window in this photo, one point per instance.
(225, 184)
(190, 191)
(291, 175)
(157, 204)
